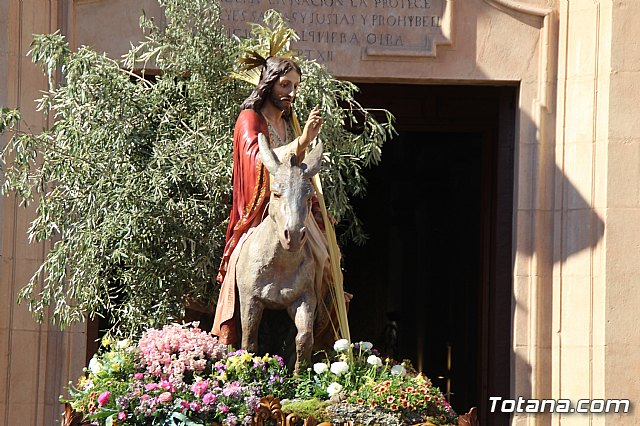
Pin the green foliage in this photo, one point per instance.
(133, 179)
(315, 408)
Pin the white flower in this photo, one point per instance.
(366, 346)
(374, 360)
(334, 389)
(319, 367)
(341, 345)
(339, 368)
(123, 344)
(95, 367)
(398, 370)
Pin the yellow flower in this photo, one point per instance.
(246, 357)
(420, 379)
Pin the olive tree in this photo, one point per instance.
(133, 179)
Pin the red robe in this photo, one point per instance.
(250, 195)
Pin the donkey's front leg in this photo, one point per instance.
(250, 317)
(301, 311)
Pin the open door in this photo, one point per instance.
(433, 282)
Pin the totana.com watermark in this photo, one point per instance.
(522, 405)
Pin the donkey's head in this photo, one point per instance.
(291, 192)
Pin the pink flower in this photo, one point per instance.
(209, 398)
(193, 347)
(104, 398)
(165, 397)
(224, 408)
(194, 406)
(166, 385)
(150, 386)
(138, 376)
(122, 415)
(184, 405)
(198, 388)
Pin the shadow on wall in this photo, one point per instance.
(548, 238)
(575, 228)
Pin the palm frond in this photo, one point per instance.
(280, 39)
(251, 76)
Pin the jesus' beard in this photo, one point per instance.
(280, 104)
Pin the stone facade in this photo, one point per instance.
(576, 214)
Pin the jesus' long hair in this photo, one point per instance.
(274, 68)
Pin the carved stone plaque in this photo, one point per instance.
(344, 30)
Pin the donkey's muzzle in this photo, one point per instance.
(294, 239)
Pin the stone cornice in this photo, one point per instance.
(546, 49)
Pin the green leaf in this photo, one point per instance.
(104, 414)
(180, 419)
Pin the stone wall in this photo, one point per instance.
(36, 361)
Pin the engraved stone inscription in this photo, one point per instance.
(331, 30)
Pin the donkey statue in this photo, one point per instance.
(276, 269)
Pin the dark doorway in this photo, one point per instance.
(433, 282)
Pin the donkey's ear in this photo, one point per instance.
(313, 160)
(267, 155)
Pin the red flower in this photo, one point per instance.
(394, 407)
(390, 399)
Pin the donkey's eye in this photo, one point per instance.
(277, 195)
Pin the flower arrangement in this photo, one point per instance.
(180, 375)
(175, 375)
(408, 396)
(356, 374)
(267, 373)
